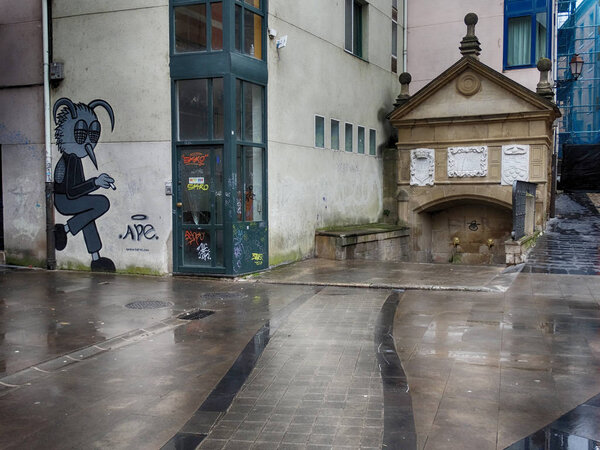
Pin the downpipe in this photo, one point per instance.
(50, 249)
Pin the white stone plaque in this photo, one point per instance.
(422, 166)
(515, 163)
(467, 161)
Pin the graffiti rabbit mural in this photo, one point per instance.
(77, 133)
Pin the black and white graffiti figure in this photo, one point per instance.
(77, 133)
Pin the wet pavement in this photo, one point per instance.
(571, 243)
(318, 354)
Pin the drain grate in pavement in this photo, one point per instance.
(149, 304)
(196, 314)
(223, 295)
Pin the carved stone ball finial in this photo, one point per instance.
(544, 88)
(405, 78)
(470, 45)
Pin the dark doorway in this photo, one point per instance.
(580, 168)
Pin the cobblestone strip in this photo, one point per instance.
(316, 385)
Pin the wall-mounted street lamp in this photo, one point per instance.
(576, 65)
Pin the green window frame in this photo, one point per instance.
(198, 27)
(250, 30)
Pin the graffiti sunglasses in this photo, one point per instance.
(81, 131)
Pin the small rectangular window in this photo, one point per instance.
(361, 140)
(372, 142)
(319, 132)
(348, 137)
(335, 134)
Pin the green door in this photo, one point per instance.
(199, 214)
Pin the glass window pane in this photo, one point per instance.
(253, 186)
(348, 137)
(196, 247)
(238, 108)
(193, 114)
(219, 248)
(394, 39)
(335, 134)
(238, 28)
(357, 29)
(252, 34)
(541, 36)
(190, 28)
(255, 3)
(216, 25)
(240, 182)
(372, 142)
(196, 180)
(217, 185)
(253, 112)
(519, 41)
(361, 140)
(348, 25)
(218, 108)
(319, 132)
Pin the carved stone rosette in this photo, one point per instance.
(422, 167)
(515, 163)
(468, 161)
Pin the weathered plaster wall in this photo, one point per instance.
(316, 187)
(118, 51)
(22, 130)
(435, 29)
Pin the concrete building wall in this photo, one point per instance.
(118, 51)
(313, 187)
(435, 29)
(22, 131)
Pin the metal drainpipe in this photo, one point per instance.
(50, 250)
(405, 26)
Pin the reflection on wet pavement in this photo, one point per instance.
(317, 382)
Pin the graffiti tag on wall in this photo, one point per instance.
(195, 159)
(137, 231)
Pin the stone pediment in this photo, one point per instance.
(469, 88)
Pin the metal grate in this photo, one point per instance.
(195, 314)
(149, 304)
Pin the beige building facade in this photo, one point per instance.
(462, 141)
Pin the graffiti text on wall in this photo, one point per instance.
(195, 159)
(194, 237)
(137, 231)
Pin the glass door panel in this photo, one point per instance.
(200, 205)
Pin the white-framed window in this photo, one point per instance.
(335, 134)
(319, 131)
(348, 132)
(354, 18)
(360, 141)
(372, 142)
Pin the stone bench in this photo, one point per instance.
(375, 241)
